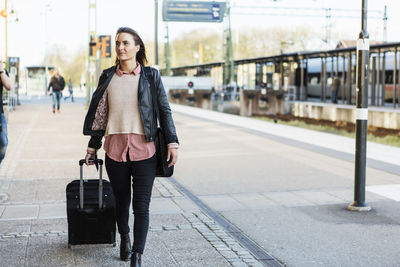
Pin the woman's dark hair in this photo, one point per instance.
(141, 54)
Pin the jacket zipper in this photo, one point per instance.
(151, 123)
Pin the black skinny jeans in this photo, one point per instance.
(120, 175)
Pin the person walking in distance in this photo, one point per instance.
(70, 90)
(57, 85)
(5, 82)
(335, 89)
(121, 109)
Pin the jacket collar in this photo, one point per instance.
(110, 70)
(144, 75)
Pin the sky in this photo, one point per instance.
(66, 22)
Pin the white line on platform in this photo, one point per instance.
(384, 153)
(17, 153)
(391, 191)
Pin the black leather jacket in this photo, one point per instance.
(147, 113)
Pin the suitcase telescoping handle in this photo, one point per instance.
(100, 162)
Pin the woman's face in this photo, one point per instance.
(125, 47)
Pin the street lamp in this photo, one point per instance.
(156, 32)
(47, 8)
(4, 14)
(359, 203)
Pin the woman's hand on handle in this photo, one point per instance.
(90, 155)
(173, 154)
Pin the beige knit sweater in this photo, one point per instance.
(123, 107)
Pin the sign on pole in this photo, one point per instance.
(102, 43)
(105, 45)
(193, 11)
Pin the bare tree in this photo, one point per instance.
(71, 66)
(202, 46)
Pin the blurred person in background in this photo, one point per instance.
(5, 82)
(335, 89)
(56, 86)
(70, 90)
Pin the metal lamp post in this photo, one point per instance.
(6, 28)
(4, 14)
(156, 32)
(359, 203)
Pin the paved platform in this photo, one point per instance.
(242, 189)
(288, 188)
(42, 157)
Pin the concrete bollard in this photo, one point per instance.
(250, 99)
(178, 96)
(202, 99)
(197, 98)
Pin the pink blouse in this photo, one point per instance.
(117, 146)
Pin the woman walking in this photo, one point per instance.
(121, 110)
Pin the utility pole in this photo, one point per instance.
(6, 33)
(328, 26)
(156, 32)
(385, 18)
(167, 51)
(229, 68)
(92, 57)
(359, 203)
(46, 63)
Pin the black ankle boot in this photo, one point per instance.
(125, 248)
(136, 260)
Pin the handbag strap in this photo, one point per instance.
(149, 76)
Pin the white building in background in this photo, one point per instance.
(36, 80)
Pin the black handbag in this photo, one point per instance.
(161, 146)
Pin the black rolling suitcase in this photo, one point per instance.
(90, 210)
